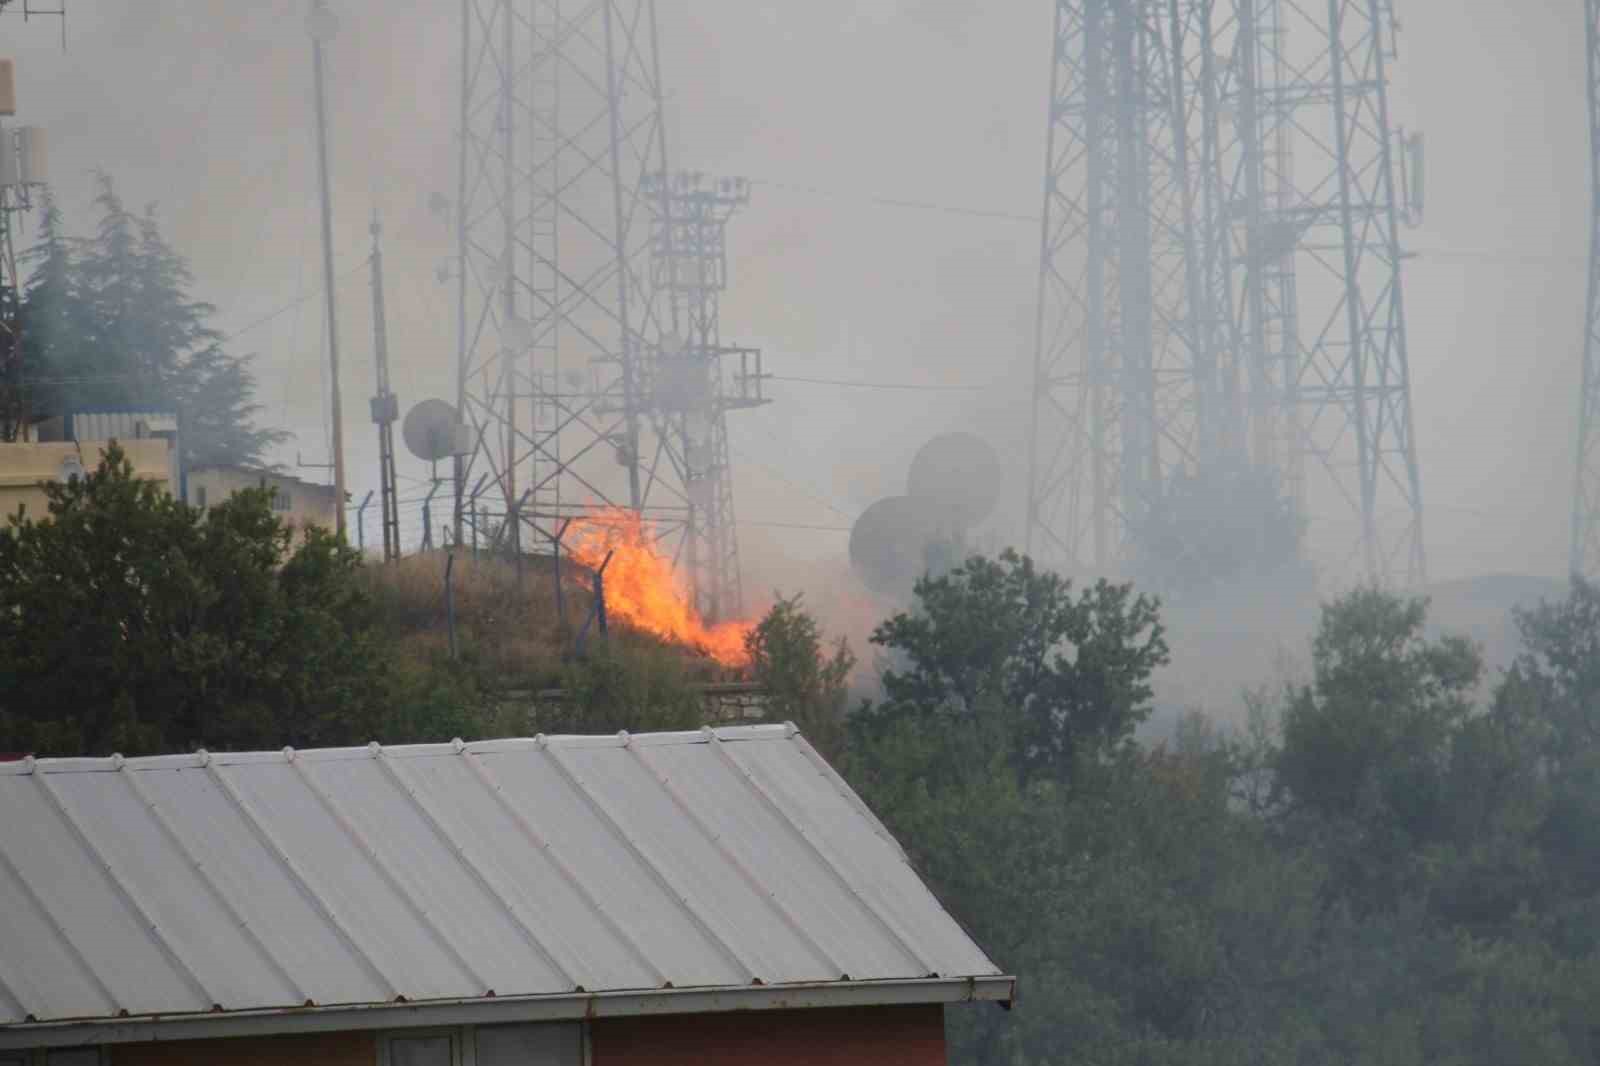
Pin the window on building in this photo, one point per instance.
(423, 1049)
(553, 1044)
(200, 496)
(280, 500)
(530, 1045)
(75, 1056)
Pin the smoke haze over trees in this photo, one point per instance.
(110, 326)
(1381, 870)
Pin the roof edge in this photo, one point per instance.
(108, 763)
(577, 1006)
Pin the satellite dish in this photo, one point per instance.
(959, 473)
(889, 543)
(432, 432)
(322, 24)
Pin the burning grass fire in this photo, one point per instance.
(641, 589)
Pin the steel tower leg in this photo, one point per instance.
(561, 120)
(1131, 313)
(1586, 494)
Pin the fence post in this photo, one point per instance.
(361, 523)
(450, 600)
(561, 599)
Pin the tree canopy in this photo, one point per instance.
(109, 324)
(1381, 871)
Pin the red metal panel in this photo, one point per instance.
(866, 1036)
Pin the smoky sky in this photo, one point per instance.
(834, 109)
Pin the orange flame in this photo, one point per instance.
(641, 589)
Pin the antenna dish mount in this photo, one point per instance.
(433, 432)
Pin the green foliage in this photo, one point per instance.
(619, 685)
(110, 326)
(806, 683)
(998, 638)
(1385, 875)
(1367, 746)
(130, 622)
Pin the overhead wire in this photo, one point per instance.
(1508, 257)
(907, 386)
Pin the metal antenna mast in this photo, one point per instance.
(323, 25)
(385, 405)
(1220, 271)
(22, 167)
(1353, 381)
(1586, 496)
(693, 392)
(1131, 333)
(560, 121)
(576, 303)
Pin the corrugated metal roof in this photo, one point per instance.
(195, 883)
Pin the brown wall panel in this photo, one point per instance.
(869, 1036)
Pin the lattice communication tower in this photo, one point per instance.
(1219, 272)
(582, 294)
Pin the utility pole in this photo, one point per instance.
(323, 26)
(1586, 493)
(22, 167)
(385, 405)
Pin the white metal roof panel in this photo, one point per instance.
(275, 881)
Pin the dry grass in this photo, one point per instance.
(509, 625)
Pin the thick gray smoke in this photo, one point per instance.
(842, 112)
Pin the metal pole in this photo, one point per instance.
(450, 600)
(323, 26)
(600, 593)
(361, 523)
(632, 343)
(1585, 498)
(385, 405)
(427, 516)
(561, 599)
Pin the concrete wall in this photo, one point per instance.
(307, 504)
(871, 1036)
(23, 466)
(321, 1049)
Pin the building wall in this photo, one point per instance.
(306, 504)
(23, 466)
(319, 1049)
(866, 1036)
(869, 1036)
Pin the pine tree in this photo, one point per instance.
(111, 326)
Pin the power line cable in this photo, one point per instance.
(888, 385)
(1508, 257)
(290, 306)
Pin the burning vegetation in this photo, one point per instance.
(641, 589)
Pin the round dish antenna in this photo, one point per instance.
(890, 543)
(960, 473)
(432, 432)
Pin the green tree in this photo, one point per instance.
(1367, 745)
(1058, 678)
(131, 622)
(1551, 699)
(109, 324)
(806, 683)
